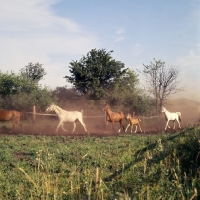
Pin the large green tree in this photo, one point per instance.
(94, 74)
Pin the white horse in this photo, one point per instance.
(176, 116)
(66, 116)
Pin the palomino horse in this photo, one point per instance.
(133, 122)
(176, 116)
(66, 116)
(114, 117)
(13, 115)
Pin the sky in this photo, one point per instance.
(56, 32)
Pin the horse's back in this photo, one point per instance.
(118, 116)
(6, 115)
(72, 116)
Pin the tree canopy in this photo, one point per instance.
(34, 72)
(94, 74)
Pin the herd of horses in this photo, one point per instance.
(73, 116)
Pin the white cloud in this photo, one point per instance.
(137, 49)
(31, 32)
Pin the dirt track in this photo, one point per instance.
(96, 126)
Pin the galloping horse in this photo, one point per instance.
(133, 122)
(176, 116)
(114, 117)
(13, 115)
(66, 116)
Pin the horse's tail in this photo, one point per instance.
(179, 116)
(82, 112)
(139, 119)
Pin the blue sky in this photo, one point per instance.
(55, 32)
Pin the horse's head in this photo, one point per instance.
(50, 108)
(105, 107)
(163, 109)
(128, 116)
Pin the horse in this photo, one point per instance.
(13, 115)
(114, 117)
(66, 116)
(133, 122)
(175, 116)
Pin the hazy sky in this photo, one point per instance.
(55, 32)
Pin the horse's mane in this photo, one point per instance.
(59, 109)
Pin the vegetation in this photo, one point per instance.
(95, 73)
(100, 78)
(22, 91)
(120, 167)
(161, 81)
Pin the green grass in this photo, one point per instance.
(162, 166)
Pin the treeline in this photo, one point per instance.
(96, 79)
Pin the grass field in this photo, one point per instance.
(126, 166)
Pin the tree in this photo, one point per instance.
(161, 81)
(19, 92)
(94, 74)
(34, 72)
(128, 96)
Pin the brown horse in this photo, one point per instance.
(114, 117)
(13, 115)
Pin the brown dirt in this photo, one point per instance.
(190, 111)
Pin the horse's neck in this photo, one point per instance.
(167, 112)
(108, 112)
(58, 110)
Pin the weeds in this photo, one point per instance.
(125, 167)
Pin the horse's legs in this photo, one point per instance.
(179, 124)
(13, 126)
(120, 127)
(106, 126)
(167, 125)
(140, 127)
(131, 128)
(74, 127)
(135, 128)
(114, 127)
(83, 124)
(18, 123)
(59, 124)
(174, 124)
(127, 127)
(63, 127)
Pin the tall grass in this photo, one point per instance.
(162, 166)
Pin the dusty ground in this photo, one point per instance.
(190, 112)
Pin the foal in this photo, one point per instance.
(114, 117)
(133, 122)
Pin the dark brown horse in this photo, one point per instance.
(13, 115)
(114, 117)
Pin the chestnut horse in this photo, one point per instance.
(114, 117)
(13, 115)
